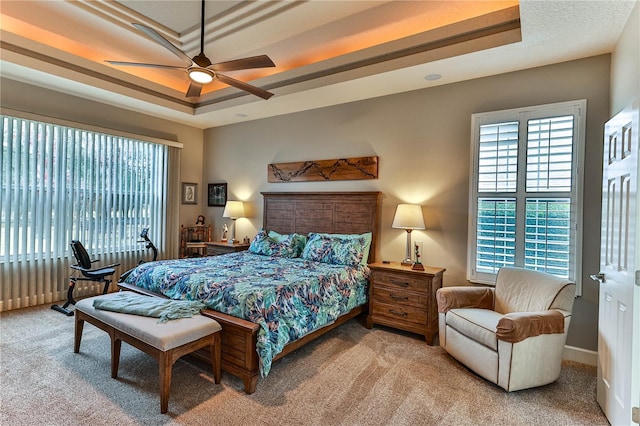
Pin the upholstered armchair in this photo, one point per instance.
(512, 335)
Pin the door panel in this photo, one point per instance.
(618, 339)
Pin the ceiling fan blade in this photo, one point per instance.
(194, 90)
(140, 64)
(244, 86)
(261, 61)
(163, 41)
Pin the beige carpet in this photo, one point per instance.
(351, 376)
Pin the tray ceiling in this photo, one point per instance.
(326, 52)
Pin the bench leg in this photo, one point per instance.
(165, 363)
(216, 355)
(116, 345)
(78, 333)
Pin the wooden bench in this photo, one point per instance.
(166, 342)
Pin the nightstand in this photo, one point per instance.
(216, 248)
(405, 299)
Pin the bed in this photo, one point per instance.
(245, 343)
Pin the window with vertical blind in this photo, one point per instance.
(60, 183)
(526, 191)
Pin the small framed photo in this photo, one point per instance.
(217, 194)
(189, 193)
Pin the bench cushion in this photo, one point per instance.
(162, 336)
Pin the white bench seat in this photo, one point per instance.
(166, 342)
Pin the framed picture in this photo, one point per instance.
(189, 193)
(217, 194)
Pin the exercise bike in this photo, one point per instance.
(100, 275)
(149, 246)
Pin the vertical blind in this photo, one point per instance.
(61, 184)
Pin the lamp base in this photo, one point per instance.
(407, 262)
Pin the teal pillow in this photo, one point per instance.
(278, 245)
(338, 249)
(367, 243)
(299, 240)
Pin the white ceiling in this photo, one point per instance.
(326, 52)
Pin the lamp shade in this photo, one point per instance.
(408, 216)
(233, 209)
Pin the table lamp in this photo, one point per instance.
(408, 217)
(233, 210)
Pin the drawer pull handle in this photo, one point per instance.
(394, 297)
(394, 312)
(400, 283)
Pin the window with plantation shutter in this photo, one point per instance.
(526, 191)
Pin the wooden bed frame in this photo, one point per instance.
(301, 212)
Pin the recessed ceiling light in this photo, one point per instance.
(433, 77)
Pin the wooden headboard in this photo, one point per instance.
(327, 212)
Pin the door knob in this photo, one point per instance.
(598, 277)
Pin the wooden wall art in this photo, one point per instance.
(341, 169)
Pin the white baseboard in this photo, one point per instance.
(583, 356)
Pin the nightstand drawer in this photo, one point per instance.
(404, 298)
(398, 281)
(218, 248)
(400, 297)
(216, 251)
(403, 313)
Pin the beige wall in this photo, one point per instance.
(422, 139)
(625, 65)
(37, 100)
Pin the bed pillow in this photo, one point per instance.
(338, 249)
(283, 245)
(299, 240)
(367, 243)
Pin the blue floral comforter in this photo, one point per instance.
(287, 298)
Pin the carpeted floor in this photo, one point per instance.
(351, 376)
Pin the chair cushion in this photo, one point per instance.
(163, 336)
(477, 324)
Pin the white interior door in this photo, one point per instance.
(618, 340)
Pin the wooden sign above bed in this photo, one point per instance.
(340, 169)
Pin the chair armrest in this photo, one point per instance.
(464, 297)
(517, 326)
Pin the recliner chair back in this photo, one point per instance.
(523, 290)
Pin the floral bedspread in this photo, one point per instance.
(288, 298)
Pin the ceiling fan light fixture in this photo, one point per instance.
(200, 75)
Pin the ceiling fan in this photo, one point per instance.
(200, 69)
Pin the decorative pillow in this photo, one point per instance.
(283, 246)
(337, 249)
(367, 244)
(299, 240)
